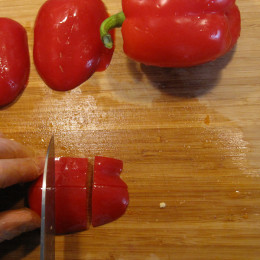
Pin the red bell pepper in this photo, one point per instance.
(67, 44)
(14, 60)
(109, 193)
(175, 33)
(71, 194)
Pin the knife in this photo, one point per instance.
(48, 206)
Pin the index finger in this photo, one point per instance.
(12, 149)
(19, 170)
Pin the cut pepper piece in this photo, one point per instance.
(71, 193)
(110, 196)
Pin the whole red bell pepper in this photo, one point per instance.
(14, 60)
(67, 45)
(175, 33)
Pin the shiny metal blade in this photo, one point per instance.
(48, 206)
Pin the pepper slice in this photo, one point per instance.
(71, 193)
(175, 33)
(110, 196)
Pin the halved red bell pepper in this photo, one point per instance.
(14, 60)
(71, 194)
(175, 33)
(109, 193)
(67, 45)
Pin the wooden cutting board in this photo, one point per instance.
(188, 138)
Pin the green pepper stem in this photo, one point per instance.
(111, 22)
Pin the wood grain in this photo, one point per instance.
(188, 137)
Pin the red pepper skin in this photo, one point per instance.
(71, 194)
(14, 60)
(67, 44)
(110, 196)
(71, 212)
(179, 33)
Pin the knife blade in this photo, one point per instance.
(48, 206)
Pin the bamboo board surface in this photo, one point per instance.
(188, 137)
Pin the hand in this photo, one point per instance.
(17, 165)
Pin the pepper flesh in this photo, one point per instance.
(179, 33)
